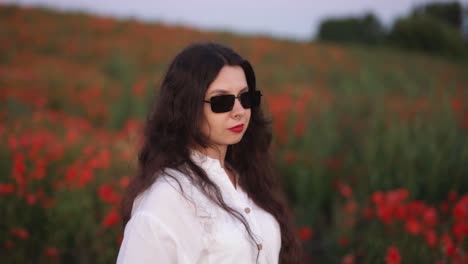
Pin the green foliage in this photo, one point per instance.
(120, 69)
(364, 30)
(447, 12)
(427, 34)
(433, 28)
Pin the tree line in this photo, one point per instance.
(432, 28)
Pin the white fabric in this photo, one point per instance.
(165, 227)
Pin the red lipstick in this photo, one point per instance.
(237, 129)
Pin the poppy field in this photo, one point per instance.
(371, 144)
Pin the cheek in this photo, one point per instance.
(206, 121)
(212, 123)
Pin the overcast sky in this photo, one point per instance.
(294, 19)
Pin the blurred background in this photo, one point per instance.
(368, 101)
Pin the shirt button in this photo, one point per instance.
(247, 210)
(259, 246)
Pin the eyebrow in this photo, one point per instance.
(222, 91)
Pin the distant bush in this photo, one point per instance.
(428, 34)
(431, 28)
(449, 13)
(366, 29)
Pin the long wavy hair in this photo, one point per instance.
(173, 129)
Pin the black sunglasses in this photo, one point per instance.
(225, 103)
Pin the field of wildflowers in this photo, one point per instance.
(371, 144)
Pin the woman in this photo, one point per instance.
(205, 191)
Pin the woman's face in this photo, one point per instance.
(226, 128)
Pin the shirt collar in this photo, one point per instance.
(212, 168)
(203, 160)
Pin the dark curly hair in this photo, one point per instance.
(173, 128)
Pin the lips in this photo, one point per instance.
(237, 129)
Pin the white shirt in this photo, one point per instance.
(167, 228)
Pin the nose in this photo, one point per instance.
(237, 109)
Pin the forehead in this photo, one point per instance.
(230, 79)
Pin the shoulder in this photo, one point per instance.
(172, 204)
(171, 189)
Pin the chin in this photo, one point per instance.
(233, 140)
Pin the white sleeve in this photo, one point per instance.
(147, 240)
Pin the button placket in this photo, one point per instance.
(236, 198)
(249, 215)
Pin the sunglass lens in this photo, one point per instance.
(250, 99)
(246, 100)
(222, 103)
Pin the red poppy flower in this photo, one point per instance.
(20, 233)
(51, 252)
(343, 241)
(377, 197)
(6, 188)
(431, 238)
(452, 196)
(384, 213)
(305, 233)
(348, 259)
(350, 207)
(413, 226)
(367, 213)
(460, 229)
(9, 244)
(19, 169)
(344, 190)
(456, 105)
(85, 176)
(106, 193)
(430, 217)
(138, 89)
(393, 256)
(460, 210)
(124, 181)
(450, 250)
(397, 196)
(111, 219)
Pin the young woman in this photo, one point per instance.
(206, 191)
